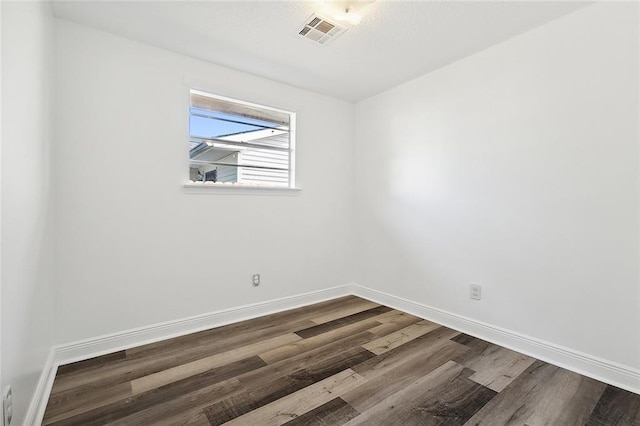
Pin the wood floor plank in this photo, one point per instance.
(302, 401)
(616, 407)
(164, 377)
(269, 385)
(191, 418)
(125, 407)
(62, 408)
(355, 306)
(387, 360)
(392, 322)
(305, 345)
(495, 367)
(96, 362)
(395, 315)
(334, 412)
(444, 396)
(186, 408)
(197, 418)
(321, 356)
(542, 395)
(393, 340)
(82, 385)
(237, 405)
(396, 373)
(473, 343)
(341, 322)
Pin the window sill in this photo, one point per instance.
(208, 188)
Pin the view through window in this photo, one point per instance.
(234, 142)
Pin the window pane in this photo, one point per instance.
(227, 172)
(233, 142)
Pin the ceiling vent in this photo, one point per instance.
(321, 30)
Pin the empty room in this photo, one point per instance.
(320, 212)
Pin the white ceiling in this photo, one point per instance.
(395, 42)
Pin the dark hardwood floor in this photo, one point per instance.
(345, 361)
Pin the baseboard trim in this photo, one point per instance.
(622, 376)
(38, 404)
(89, 348)
(108, 343)
(619, 375)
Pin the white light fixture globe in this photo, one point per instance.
(349, 12)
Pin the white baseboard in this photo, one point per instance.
(101, 345)
(622, 376)
(89, 348)
(38, 404)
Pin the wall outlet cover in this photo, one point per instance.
(7, 406)
(476, 291)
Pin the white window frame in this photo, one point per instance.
(199, 187)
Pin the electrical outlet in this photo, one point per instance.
(256, 280)
(476, 291)
(7, 405)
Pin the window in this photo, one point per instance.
(234, 142)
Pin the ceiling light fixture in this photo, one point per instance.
(349, 12)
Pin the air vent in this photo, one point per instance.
(321, 30)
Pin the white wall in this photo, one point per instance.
(27, 247)
(1, 214)
(133, 247)
(516, 168)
